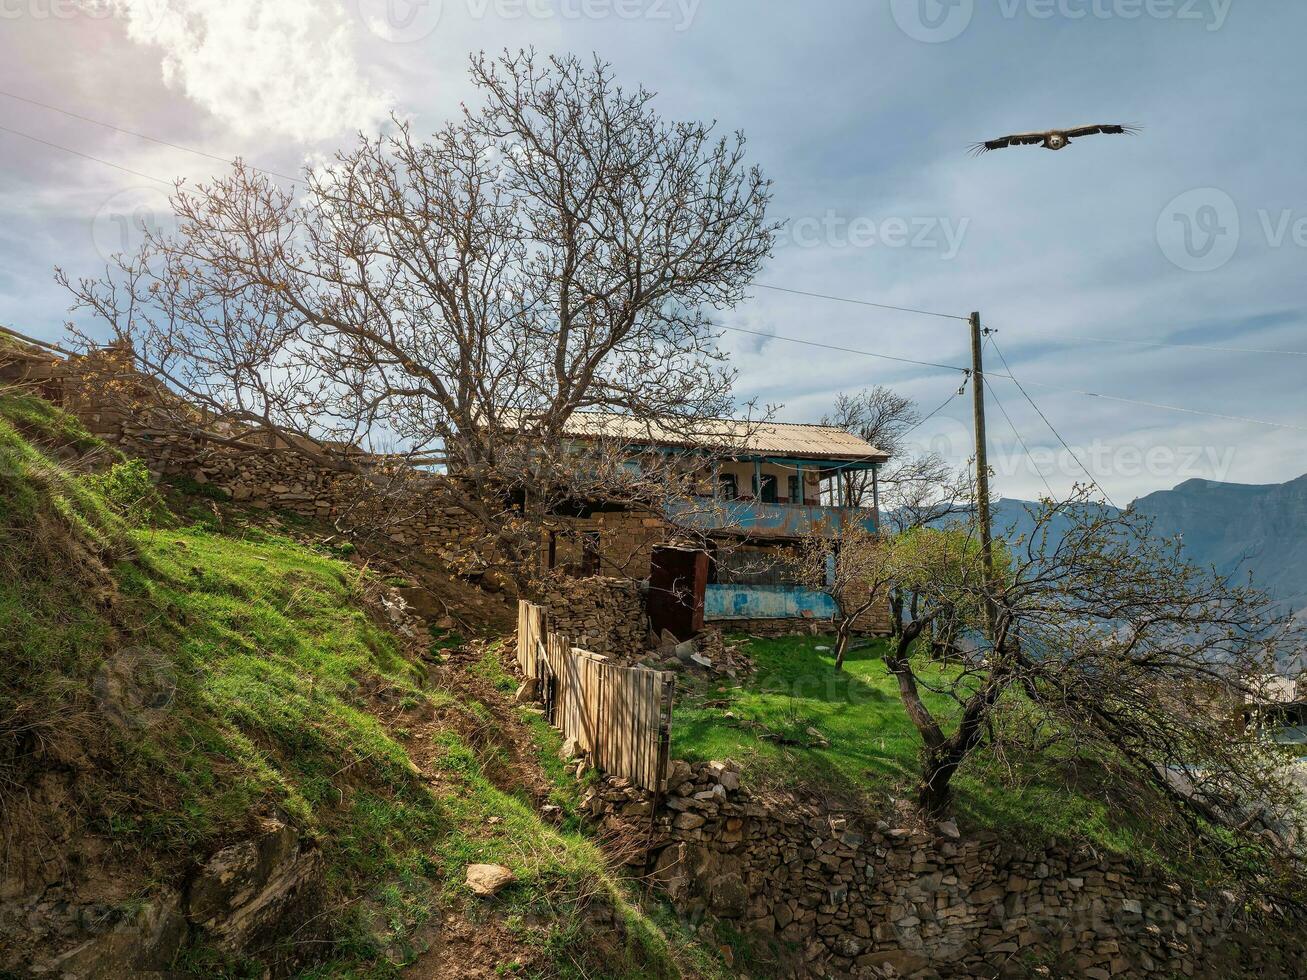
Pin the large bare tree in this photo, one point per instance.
(456, 300)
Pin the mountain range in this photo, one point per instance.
(1229, 526)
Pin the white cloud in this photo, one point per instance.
(283, 68)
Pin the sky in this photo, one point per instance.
(1192, 233)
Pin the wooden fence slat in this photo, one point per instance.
(621, 716)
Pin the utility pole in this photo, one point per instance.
(982, 465)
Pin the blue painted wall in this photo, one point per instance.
(766, 602)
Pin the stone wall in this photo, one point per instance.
(602, 615)
(140, 417)
(859, 899)
(625, 539)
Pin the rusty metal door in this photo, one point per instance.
(677, 579)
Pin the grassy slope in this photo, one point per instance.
(257, 683)
(873, 749)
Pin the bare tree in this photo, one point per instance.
(880, 416)
(853, 567)
(459, 300)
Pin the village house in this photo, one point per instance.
(759, 488)
(1281, 711)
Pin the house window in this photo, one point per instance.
(729, 486)
(796, 490)
(768, 493)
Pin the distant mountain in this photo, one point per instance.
(1231, 526)
(1259, 528)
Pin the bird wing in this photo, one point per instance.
(1017, 139)
(1110, 130)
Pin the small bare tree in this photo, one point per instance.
(852, 567)
(458, 300)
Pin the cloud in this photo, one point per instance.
(283, 68)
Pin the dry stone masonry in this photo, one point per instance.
(601, 615)
(860, 899)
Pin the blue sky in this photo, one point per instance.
(1194, 232)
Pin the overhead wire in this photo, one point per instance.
(849, 350)
(85, 156)
(139, 135)
(1052, 428)
(861, 302)
(1021, 439)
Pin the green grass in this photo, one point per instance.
(200, 675)
(873, 750)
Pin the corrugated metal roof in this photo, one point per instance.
(731, 436)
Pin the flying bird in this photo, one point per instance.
(1054, 139)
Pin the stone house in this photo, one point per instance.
(759, 489)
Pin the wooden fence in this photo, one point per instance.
(621, 716)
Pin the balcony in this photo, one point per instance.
(765, 520)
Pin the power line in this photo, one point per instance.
(1202, 347)
(1050, 425)
(1016, 432)
(946, 403)
(138, 135)
(848, 350)
(1034, 384)
(860, 302)
(85, 156)
(1159, 405)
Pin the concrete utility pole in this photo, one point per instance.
(982, 462)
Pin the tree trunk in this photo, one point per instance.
(935, 792)
(842, 634)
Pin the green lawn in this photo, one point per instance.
(773, 724)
